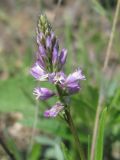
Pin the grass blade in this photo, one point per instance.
(100, 138)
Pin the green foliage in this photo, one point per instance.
(12, 147)
(88, 155)
(85, 106)
(16, 92)
(100, 137)
(12, 97)
(67, 154)
(35, 153)
(55, 150)
(98, 8)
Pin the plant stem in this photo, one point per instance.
(111, 36)
(74, 132)
(101, 98)
(71, 125)
(95, 131)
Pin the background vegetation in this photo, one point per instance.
(84, 29)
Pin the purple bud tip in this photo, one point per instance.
(42, 51)
(55, 55)
(48, 42)
(62, 58)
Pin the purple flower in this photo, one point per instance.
(62, 58)
(43, 93)
(53, 112)
(55, 53)
(74, 88)
(38, 73)
(57, 78)
(72, 82)
(49, 67)
(52, 36)
(42, 51)
(40, 61)
(75, 77)
(60, 78)
(48, 42)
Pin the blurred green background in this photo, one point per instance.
(83, 27)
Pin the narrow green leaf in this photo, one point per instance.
(88, 147)
(66, 153)
(35, 153)
(98, 8)
(45, 140)
(100, 138)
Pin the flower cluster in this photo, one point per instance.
(49, 67)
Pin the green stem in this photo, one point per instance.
(71, 125)
(74, 132)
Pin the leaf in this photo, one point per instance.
(54, 149)
(58, 151)
(100, 137)
(45, 140)
(98, 8)
(55, 127)
(88, 147)
(12, 98)
(67, 155)
(35, 153)
(84, 105)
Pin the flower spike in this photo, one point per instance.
(49, 67)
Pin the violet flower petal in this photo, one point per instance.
(54, 56)
(57, 78)
(54, 111)
(62, 58)
(48, 42)
(43, 93)
(52, 34)
(40, 61)
(55, 53)
(73, 89)
(38, 73)
(75, 76)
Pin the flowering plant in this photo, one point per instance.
(48, 67)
